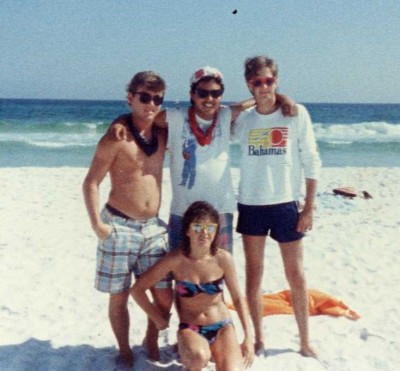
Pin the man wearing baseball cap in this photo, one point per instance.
(198, 141)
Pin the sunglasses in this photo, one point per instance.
(146, 98)
(204, 93)
(257, 82)
(209, 227)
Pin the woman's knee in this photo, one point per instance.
(197, 358)
(193, 349)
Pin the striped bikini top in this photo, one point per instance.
(188, 289)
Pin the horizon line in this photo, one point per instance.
(177, 101)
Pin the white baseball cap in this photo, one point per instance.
(204, 72)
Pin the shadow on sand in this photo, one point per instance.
(277, 352)
(40, 355)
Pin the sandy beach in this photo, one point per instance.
(51, 317)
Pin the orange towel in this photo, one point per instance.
(319, 303)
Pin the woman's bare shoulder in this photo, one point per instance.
(175, 257)
(223, 257)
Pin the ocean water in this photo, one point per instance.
(48, 133)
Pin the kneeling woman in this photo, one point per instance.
(200, 270)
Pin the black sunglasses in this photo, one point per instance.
(204, 93)
(146, 98)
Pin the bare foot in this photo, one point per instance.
(307, 351)
(151, 345)
(259, 348)
(124, 359)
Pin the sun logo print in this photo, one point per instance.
(268, 141)
(268, 138)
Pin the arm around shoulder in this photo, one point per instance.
(288, 105)
(118, 130)
(239, 107)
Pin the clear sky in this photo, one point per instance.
(327, 51)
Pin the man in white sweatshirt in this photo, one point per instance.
(279, 156)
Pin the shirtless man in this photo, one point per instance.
(131, 237)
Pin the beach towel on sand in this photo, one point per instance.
(319, 303)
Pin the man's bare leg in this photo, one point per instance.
(292, 256)
(119, 319)
(163, 300)
(254, 247)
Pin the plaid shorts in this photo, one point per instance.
(133, 247)
(225, 235)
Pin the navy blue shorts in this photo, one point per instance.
(278, 221)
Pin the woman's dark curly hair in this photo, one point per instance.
(197, 211)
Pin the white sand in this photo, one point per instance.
(51, 317)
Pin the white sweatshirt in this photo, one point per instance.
(278, 153)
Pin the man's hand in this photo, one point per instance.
(118, 130)
(162, 323)
(289, 110)
(288, 106)
(103, 231)
(305, 223)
